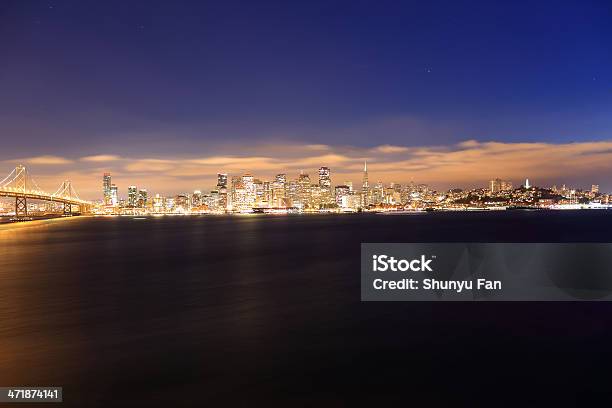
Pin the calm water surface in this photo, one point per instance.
(264, 310)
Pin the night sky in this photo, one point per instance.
(164, 94)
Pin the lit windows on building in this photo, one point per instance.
(106, 188)
(132, 196)
(114, 195)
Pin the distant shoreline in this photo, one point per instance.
(6, 224)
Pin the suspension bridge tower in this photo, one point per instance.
(21, 185)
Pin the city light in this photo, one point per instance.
(247, 194)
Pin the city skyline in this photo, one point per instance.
(248, 193)
(467, 165)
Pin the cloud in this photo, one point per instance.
(100, 158)
(151, 165)
(44, 160)
(390, 149)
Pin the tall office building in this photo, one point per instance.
(325, 186)
(267, 194)
(497, 185)
(324, 178)
(279, 190)
(341, 192)
(595, 188)
(114, 196)
(106, 188)
(142, 198)
(304, 191)
(196, 198)
(221, 180)
(221, 202)
(292, 190)
(132, 196)
(181, 202)
(244, 193)
(365, 186)
(250, 191)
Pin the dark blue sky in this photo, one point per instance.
(90, 77)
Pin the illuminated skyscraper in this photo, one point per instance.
(325, 186)
(324, 178)
(293, 194)
(243, 193)
(278, 190)
(181, 202)
(158, 203)
(196, 198)
(114, 196)
(495, 185)
(250, 190)
(341, 192)
(106, 188)
(304, 191)
(132, 196)
(221, 180)
(142, 198)
(267, 194)
(365, 186)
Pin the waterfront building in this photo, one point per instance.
(244, 193)
(279, 187)
(142, 198)
(495, 186)
(293, 194)
(236, 186)
(304, 191)
(106, 188)
(266, 194)
(221, 180)
(114, 196)
(196, 198)
(365, 186)
(214, 202)
(132, 196)
(158, 203)
(351, 202)
(325, 184)
(169, 204)
(181, 202)
(341, 192)
(377, 193)
(222, 202)
(318, 196)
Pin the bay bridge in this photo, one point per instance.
(20, 185)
